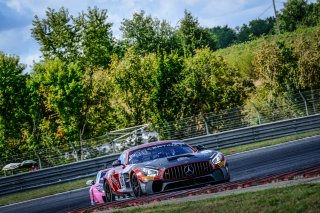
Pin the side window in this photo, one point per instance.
(122, 158)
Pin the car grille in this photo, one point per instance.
(188, 170)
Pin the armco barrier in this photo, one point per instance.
(226, 139)
(54, 175)
(257, 133)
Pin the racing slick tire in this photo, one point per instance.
(135, 185)
(108, 192)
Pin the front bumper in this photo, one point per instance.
(218, 175)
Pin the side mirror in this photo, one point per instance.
(116, 163)
(199, 147)
(90, 182)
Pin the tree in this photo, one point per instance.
(244, 34)
(276, 66)
(192, 36)
(147, 35)
(313, 14)
(209, 85)
(94, 35)
(56, 35)
(293, 14)
(13, 96)
(164, 99)
(256, 28)
(86, 38)
(308, 52)
(259, 27)
(132, 82)
(226, 36)
(61, 88)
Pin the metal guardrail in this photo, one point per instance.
(58, 174)
(257, 133)
(226, 139)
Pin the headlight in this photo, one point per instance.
(217, 158)
(150, 172)
(100, 188)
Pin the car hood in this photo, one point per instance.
(168, 162)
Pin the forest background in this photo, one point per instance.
(89, 83)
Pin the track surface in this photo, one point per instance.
(258, 163)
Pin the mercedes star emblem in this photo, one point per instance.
(188, 170)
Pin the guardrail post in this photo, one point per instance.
(305, 103)
(255, 108)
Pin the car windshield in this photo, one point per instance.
(100, 177)
(158, 151)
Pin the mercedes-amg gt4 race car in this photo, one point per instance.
(163, 166)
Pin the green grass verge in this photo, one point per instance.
(44, 191)
(298, 198)
(58, 188)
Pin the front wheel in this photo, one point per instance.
(135, 185)
(108, 192)
(228, 173)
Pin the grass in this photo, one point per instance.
(58, 188)
(298, 198)
(44, 191)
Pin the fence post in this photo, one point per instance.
(39, 159)
(313, 105)
(205, 123)
(113, 146)
(254, 106)
(305, 102)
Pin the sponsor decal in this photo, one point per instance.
(121, 178)
(115, 182)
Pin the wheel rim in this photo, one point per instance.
(136, 186)
(108, 192)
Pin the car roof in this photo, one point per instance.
(153, 144)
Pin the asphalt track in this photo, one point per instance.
(258, 163)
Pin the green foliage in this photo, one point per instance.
(276, 67)
(61, 88)
(88, 83)
(164, 98)
(94, 37)
(55, 35)
(86, 38)
(299, 13)
(308, 51)
(192, 36)
(13, 96)
(256, 28)
(209, 85)
(226, 36)
(147, 35)
(132, 82)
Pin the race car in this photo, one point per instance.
(96, 191)
(163, 166)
